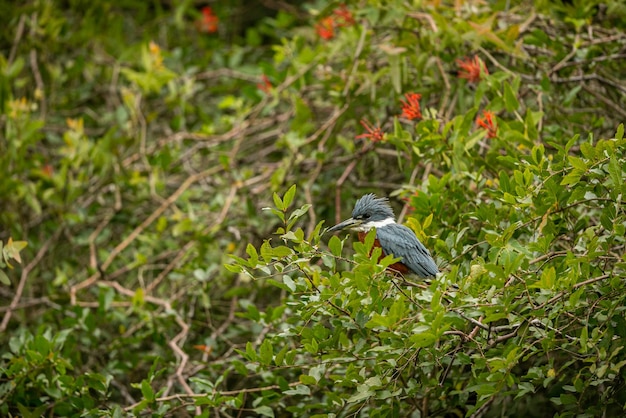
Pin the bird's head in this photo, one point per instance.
(369, 212)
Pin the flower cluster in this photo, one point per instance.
(155, 55)
(208, 22)
(407, 200)
(265, 85)
(411, 108)
(472, 69)
(341, 17)
(487, 122)
(374, 133)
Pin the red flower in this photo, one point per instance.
(209, 21)
(340, 18)
(265, 85)
(47, 170)
(411, 108)
(472, 69)
(407, 200)
(487, 122)
(204, 348)
(326, 28)
(343, 16)
(373, 133)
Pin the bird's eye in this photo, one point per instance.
(366, 216)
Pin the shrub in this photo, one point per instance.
(142, 141)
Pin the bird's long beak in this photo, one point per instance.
(348, 223)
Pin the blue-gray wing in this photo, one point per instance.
(401, 241)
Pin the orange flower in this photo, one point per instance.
(487, 122)
(472, 69)
(340, 18)
(375, 134)
(205, 348)
(265, 85)
(343, 16)
(326, 28)
(47, 170)
(407, 200)
(411, 108)
(209, 21)
(155, 54)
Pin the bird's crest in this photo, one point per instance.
(372, 205)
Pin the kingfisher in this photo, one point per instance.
(394, 239)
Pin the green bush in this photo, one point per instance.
(172, 170)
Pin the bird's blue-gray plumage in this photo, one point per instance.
(373, 212)
(376, 208)
(401, 241)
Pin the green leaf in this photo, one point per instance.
(291, 285)
(307, 380)
(473, 139)
(298, 390)
(369, 240)
(395, 70)
(615, 171)
(423, 339)
(584, 336)
(335, 245)
(510, 98)
(250, 352)
(571, 142)
(295, 236)
(530, 124)
(547, 280)
(233, 268)
(505, 182)
(298, 213)
(289, 195)
(279, 284)
(278, 202)
(264, 410)
(577, 163)
(266, 352)
(572, 178)
(14, 69)
(11, 250)
(312, 347)
(4, 279)
(276, 212)
(427, 222)
(42, 345)
(280, 356)
(620, 132)
(253, 259)
(34, 413)
(266, 251)
(147, 391)
(281, 251)
(364, 391)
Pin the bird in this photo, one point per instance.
(393, 238)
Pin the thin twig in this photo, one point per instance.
(19, 32)
(180, 396)
(139, 229)
(576, 286)
(602, 97)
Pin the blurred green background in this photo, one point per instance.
(156, 259)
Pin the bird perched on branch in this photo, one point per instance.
(394, 239)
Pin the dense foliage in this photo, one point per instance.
(168, 170)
